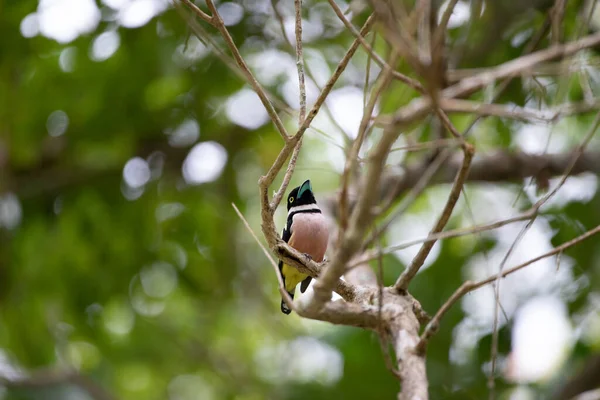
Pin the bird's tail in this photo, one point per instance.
(284, 307)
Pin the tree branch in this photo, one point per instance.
(501, 166)
(410, 272)
(201, 14)
(268, 209)
(218, 23)
(343, 313)
(516, 112)
(419, 107)
(376, 57)
(469, 286)
(361, 218)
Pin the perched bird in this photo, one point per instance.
(306, 231)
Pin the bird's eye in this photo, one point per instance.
(291, 199)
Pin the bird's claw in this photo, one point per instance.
(308, 256)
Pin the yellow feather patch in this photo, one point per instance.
(292, 277)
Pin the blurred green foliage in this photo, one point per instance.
(158, 292)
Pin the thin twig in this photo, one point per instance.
(361, 217)
(410, 272)
(376, 57)
(432, 144)
(267, 179)
(210, 42)
(336, 74)
(545, 69)
(470, 286)
(440, 32)
(201, 14)
(220, 25)
(419, 107)
(287, 177)
(415, 191)
(397, 29)
(557, 12)
(302, 90)
(352, 158)
(516, 112)
(495, 333)
(369, 256)
(425, 48)
(368, 72)
(286, 297)
(300, 61)
(308, 71)
(536, 206)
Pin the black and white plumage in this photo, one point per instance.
(306, 231)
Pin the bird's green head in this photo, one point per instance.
(301, 195)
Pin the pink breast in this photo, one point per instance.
(310, 235)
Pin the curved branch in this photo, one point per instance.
(469, 286)
(501, 166)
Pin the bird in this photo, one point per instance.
(306, 231)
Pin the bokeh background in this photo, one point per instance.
(123, 142)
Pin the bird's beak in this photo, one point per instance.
(305, 186)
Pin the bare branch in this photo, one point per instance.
(352, 157)
(300, 61)
(220, 25)
(501, 166)
(440, 32)
(557, 14)
(343, 313)
(431, 145)
(469, 286)
(410, 272)
(425, 48)
(418, 108)
(372, 255)
(268, 225)
(336, 74)
(302, 93)
(415, 191)
(522, 63)
(397, 29)
(201, 14)
(383, 337)
(376, 57)
(281, 22)
(287, 177)
(516, 112)
(360, 218)
(266, 180)
(210, 42)
(545, 69)
(575, 156)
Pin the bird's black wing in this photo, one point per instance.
(305, 283)
(285, 235)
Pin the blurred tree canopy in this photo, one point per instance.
(125, 272)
